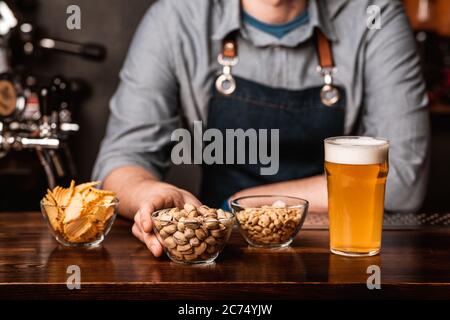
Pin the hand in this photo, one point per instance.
(162, 196)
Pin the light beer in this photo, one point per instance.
(356, 169)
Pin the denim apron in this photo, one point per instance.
(300, 116)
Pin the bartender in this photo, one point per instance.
(311, 69)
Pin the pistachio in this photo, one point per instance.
(201, 234)
(175, 254)
(192, 214)
(212, 223)
(165, 218)
(203, 210)
(194, 242)
(189, 233)
(200, 249)
(163, 234)
(218, 233)
(170, 243)
(170, 229)
(181, 226)
(179, 238)
(189, 207)
(158, 225)
(182, 248)
(211, 240)
(191, 223)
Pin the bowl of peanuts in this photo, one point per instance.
(269, 221)
(192, 235)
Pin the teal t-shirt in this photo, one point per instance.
(277, 30)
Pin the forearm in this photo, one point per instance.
(132, 185)
(313, 189)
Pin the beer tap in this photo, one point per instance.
(10, 139)
(64, 116)
(44, 128)
(35, 117)
(54, 103)
(64, 106)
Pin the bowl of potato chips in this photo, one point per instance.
(80, 215)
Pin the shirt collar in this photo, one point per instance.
(228, 13)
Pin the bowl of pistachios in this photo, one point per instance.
(192, 235)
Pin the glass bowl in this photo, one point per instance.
(86, 226)
(192, 240)
(268, 220)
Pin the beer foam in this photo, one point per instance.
(360, 150)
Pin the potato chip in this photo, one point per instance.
(51, 197)
(49, 200)
(100, 226)
(91, 234)
(55, 193)
(52, 212)
(91, 198)
(104, 192)
(85, 186)
(62, 195)
(74, 209)
(107, 200)
(103, 213)
(76, 228)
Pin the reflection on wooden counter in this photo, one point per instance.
(413, 263)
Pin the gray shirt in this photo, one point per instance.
(172, 64)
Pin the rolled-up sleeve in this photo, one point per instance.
(144, 109)
(396, 107)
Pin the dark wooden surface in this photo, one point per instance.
(414, 264)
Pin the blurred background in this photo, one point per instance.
(111, 23)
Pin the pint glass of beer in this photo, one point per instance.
(356, 169)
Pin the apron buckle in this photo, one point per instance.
(225, 83)
(329, 95)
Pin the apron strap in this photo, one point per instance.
(323, 46)
(324, 51)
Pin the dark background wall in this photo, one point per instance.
(109, 22)
(112, 23)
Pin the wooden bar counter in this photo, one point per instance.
(415, 263)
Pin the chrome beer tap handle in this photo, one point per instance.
(47, 168)
(38, 143)
(57, 164)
